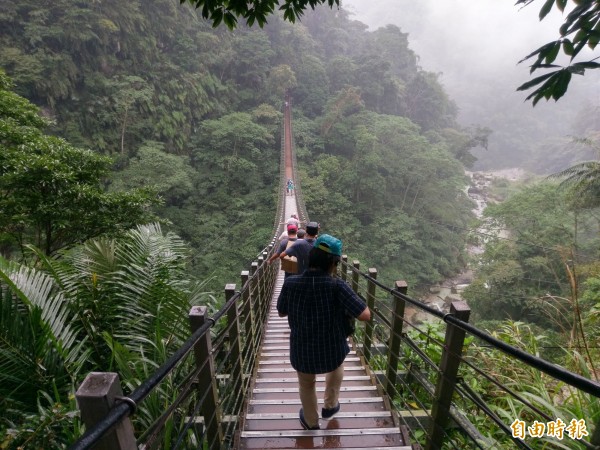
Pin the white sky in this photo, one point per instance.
(486, 35)
(475, 47)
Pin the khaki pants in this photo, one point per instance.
(308, 393)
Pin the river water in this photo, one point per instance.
(441, 295)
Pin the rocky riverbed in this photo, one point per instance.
(440, 296)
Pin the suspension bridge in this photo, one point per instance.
(236, 388)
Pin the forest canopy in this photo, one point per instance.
(52, 195)
(194, 113)
(578, 31)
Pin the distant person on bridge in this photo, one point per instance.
(290, 187)
(302, 247)
(315, 303)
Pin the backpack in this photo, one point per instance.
(289, 264)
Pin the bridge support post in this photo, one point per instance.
(344, 270)
(247, 307)
(395, 339)
(355, 275)
(254, 298)
(235, 341)
(451, 353)
(207, 380)
(262, 300)
(95, 397)
(369, 327)
(269, 281)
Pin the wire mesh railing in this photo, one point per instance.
(456, 386)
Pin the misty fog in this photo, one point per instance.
(475, 48)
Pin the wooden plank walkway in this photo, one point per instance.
(271, 418)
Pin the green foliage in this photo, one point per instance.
(41, 350)
(110, 304)
(196, 113)
(52, 426)
(170, 175)
(590, 302)
(523, 273)
(579, 30)
(391, 194)
(153, 91)
(52, 192)
(499, 380)
(582, 181)
(553, 398)
(254, 11)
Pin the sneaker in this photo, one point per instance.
(327, 413)
(305, 425)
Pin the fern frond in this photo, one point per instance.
(35, 290)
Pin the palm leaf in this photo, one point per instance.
(18, 364)
(584, 180)
(39, 349)
(134, 287)
(35, 290)
(154, 295)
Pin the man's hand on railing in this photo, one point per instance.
(365, 316)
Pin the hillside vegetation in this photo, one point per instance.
(140, 154)
(194, 112)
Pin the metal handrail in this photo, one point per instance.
(573, 379)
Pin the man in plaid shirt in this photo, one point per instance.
(315, 303)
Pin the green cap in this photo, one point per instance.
(329, 244)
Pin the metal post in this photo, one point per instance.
(451, 353)
(235, 340)
(95, 397)
(371, 304)
(395, 338)
(207, 380)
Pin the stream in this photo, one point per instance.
(441, 295)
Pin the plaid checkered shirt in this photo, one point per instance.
(314, 303)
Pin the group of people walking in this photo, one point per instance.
(316, 304)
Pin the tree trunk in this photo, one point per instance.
(123, 131)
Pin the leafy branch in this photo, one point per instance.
(228, 11)
(581, 28)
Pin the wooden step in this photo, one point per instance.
(352, 438)
(293, 405)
